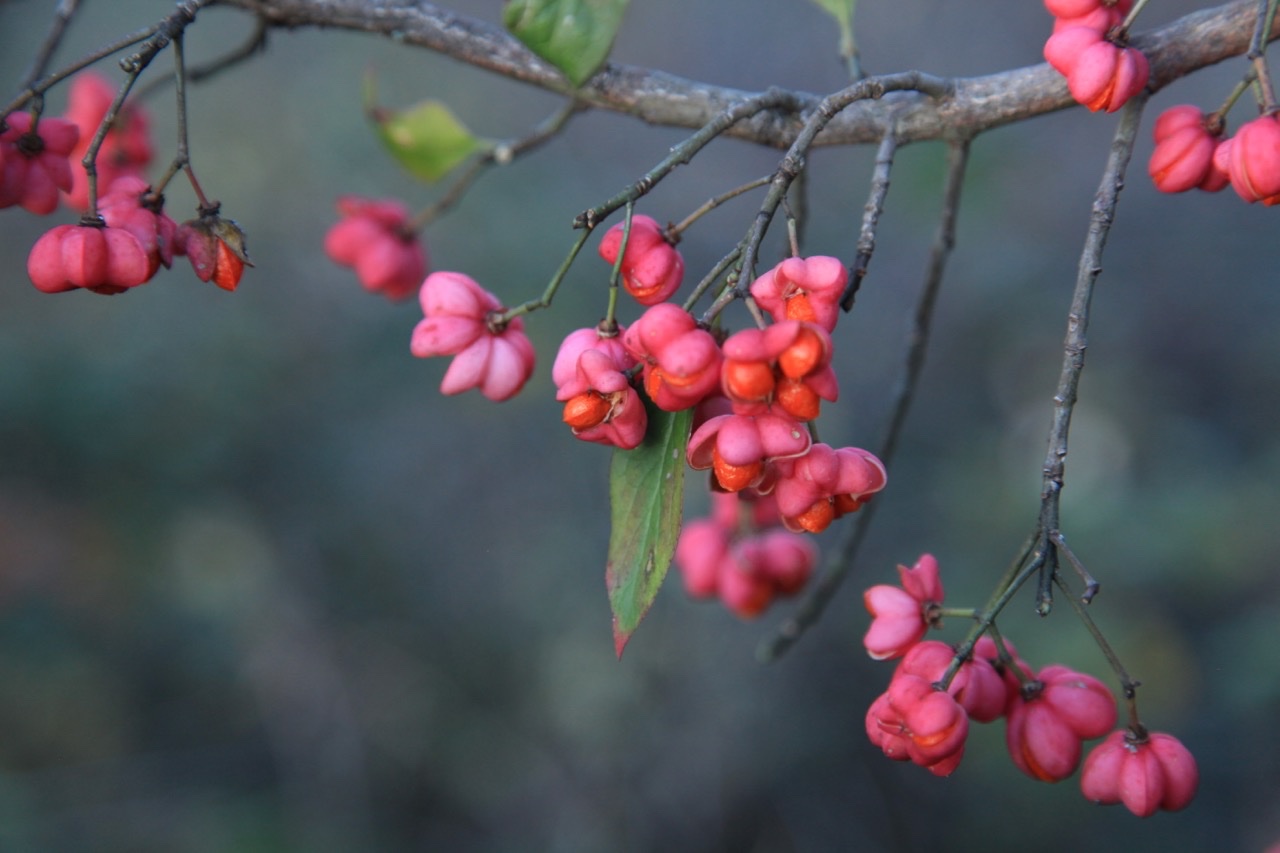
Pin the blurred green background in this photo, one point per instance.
(262, 588)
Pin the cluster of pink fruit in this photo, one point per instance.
(1048, 713)
(1193, 152)
(1088, 47)
(754, 393)
(125, 241)
(741, 554)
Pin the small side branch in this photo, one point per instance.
(871, 88)
(774, 99)
(1076, 340)
(61, 18)
(499, 155)
(871, 216)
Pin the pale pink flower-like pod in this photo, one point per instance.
(35, 167)
(456, 313)
(900, 614)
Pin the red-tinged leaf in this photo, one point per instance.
(646, 496)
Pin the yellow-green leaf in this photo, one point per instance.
(427, 139)
(842, 11)
(646, 496)
(573, 35)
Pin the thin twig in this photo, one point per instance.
(712, 203)
(61, 18)
(1064, 398)
(793, 162)
(499, 321)
(255, 43)
(1128, 684)
(710, 278)
(500, 154)
(1258, 53)
(841, 560)
(1091, 585)
(681, 154)
(871, 216)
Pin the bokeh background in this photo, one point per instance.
(262, 588)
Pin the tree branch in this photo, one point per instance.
(978, 103)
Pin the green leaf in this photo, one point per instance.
(573, 35)
(842, 11)
(427, 139)
(646, 496)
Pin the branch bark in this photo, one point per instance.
(978, 103)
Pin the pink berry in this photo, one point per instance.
(372, 238)
(1047, 723)
(736, 447)
(103, 259)
(128, 205)
(652, 268)
(1105, 76)
(1183, 156)
(1145, 774)
(1252, 159)
(913, 721)
(702, 547)
(614, 414)
(1065, 47)
(681, 361)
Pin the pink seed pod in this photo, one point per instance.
(805, 289)
(1183, 157)
(652, 268)
(1046, 726)
(1145, 774)
(456, 322)
(35, 166)
(372, 238)
(681, 360)
(1252, 159)
(1106, 76)
(102, 259)
(1065, 47)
